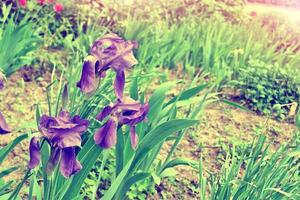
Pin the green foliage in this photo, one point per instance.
(51, 27)
(5, 187)
(212, 44)
(17, 41)
(249, 51)
(267, 89)
(131, 166)
(92, 180)
(265, 174)
(161, 126)
(221, 44)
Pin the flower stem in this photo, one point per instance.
(14, 194)
(105, 155)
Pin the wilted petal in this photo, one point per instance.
(128, 59)
(3, 125)
(69, 165)
(88, 82)
(119, 84)
(104, 48)
(53, 160)
(133, 137)
(123, 59)
(34, 152)
(114, 52)
(105, 136)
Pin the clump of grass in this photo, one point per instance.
(17, 40)
(260, 174)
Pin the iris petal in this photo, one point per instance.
(105, 136)
(69, 165)
(132, 113)
(88, 82)
(114, 52)
(70, 139)
(124, 111)
(63, 131)
(81, 124)
(104, 113)
(34, 153)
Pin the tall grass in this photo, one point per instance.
(209, 43)
(17, 40)
(260, 174)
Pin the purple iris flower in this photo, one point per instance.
(123, 112)
(4, 129)
(63, 133)
(109, 52)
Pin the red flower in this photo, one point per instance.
(23, 3)
(51, 1)
(58, 8)
(41, 2)
(253, 14)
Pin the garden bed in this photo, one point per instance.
(222, 126)
(166, 100)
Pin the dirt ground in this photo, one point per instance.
(221, 127)
(18, 103)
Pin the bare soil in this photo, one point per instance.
(222, 126)
(18, 100)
